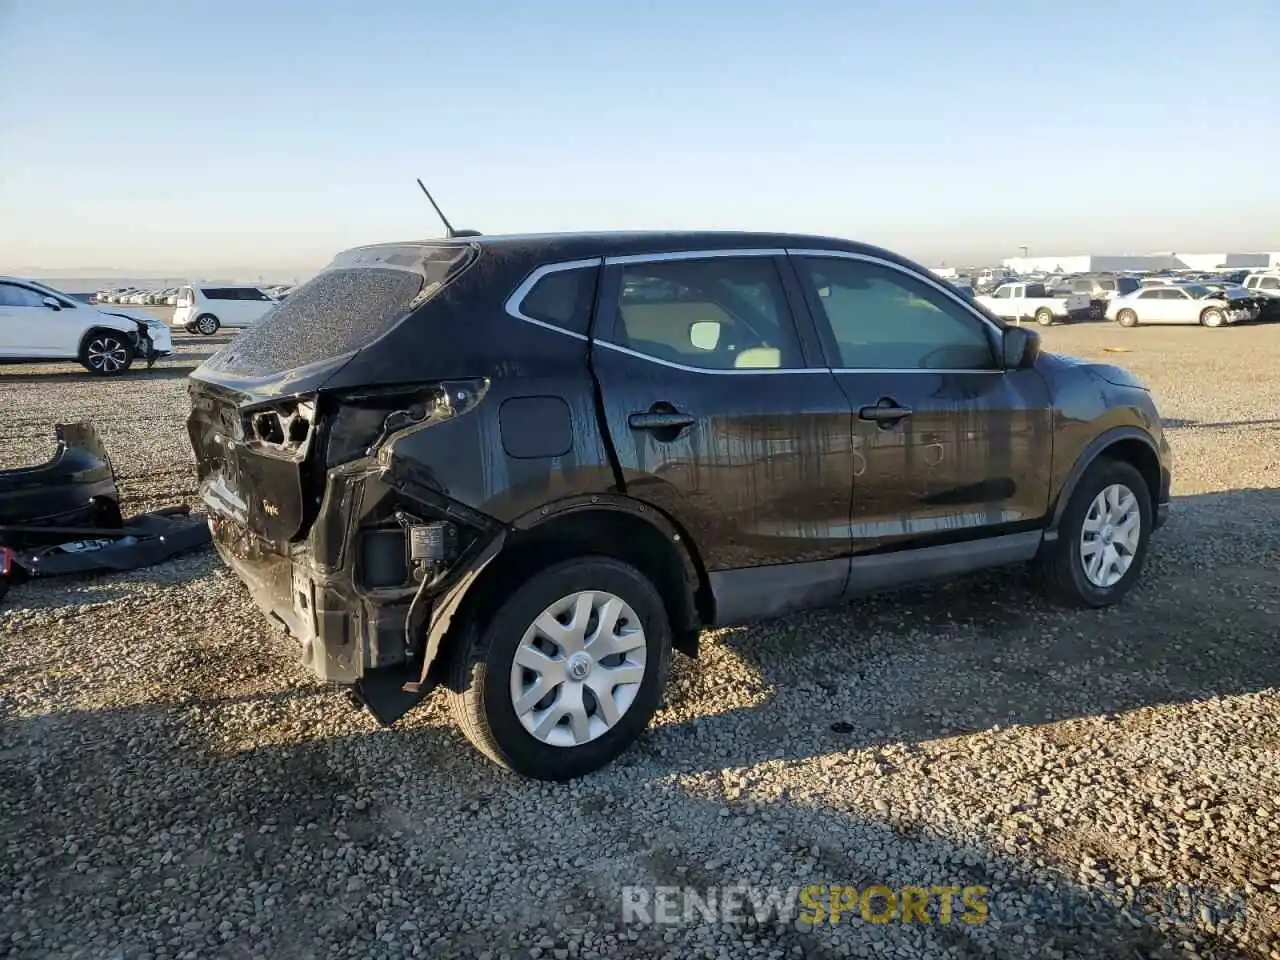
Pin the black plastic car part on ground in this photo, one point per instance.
(76, 487)
(526, 467)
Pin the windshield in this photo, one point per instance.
(1197, 291)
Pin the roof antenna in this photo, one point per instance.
(449, 232)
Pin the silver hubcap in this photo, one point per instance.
(578, 668)
(206, 326)
(1212, 318)
(106, 355)
(1110, 536)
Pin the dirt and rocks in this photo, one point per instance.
(173, 784)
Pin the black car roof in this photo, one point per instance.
(549, 247)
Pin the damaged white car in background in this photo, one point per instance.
(39, 323)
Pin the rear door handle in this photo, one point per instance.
(651, 420)
(886, 413)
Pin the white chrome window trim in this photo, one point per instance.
(516, 300)
(691, 255)
(688, 369)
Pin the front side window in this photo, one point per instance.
(722, 313)
(884, 319)
(12, 295)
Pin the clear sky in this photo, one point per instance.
(203, 135)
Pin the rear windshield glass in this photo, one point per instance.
(337, 312)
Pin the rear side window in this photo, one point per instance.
(563, 298)
(338, 312)
(1269, 283)
(718, 314)
(217, 293)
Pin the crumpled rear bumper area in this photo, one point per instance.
(76, 487)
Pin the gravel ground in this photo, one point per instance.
(173, 784)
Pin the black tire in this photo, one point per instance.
(1044, 316)
(1127, 318)
(1212, 317)
(480, 671)
(106, 353)
(1060, 567)
(206, 324)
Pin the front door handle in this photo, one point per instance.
(660, 420)
(886, 412)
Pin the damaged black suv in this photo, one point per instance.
(528, 467)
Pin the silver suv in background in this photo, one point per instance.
(1104, 288)
(1263, 284)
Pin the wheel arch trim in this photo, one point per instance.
(1096, 448)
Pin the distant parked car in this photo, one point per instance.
(1014, 301)
(1187, 303)
(1104, 288)
(40, 323)
(1263, 284)
(207, 309)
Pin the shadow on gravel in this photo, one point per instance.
(133, 830)
(964, 656)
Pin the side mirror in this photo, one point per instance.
(704, 334)
(1020, 347)
(51, 303)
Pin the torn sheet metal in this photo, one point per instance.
(77, 487)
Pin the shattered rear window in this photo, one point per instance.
(334, 314)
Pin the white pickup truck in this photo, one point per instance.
(1016, 301)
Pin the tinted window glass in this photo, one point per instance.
(1126, 285)
(217, 293)
(719, 314)
(1149, 295)
(337, 312)
(12, 295)
(253, 293)
(563, 298)
(884, 319)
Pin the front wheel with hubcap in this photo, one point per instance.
(1102, 537)
(1211, 317)
(1127, 318)
(207, 324)
(567, 672)
(106, 353)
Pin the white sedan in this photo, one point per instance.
(1183, 303)
(40, 323)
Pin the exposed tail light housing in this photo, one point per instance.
(282, 430)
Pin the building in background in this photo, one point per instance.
(1153, 262)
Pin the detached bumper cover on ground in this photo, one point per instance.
(77, 487)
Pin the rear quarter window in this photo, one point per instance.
(562, 298)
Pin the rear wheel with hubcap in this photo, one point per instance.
(568, 671)
(1102, 537)
(207, 324)
(1044, 316)
(106, 353)
(1127, 318)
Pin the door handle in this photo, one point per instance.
(886, 412)
(660, 420)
